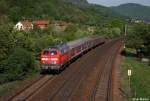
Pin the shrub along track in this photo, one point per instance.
(87, 79)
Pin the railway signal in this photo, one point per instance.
(129, 72)
(129, 79)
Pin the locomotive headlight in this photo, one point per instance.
(54, 59)
(44, 58)
(54, 62)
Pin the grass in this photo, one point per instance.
(140, 79)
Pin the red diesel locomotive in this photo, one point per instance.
(55, 57)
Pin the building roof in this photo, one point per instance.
(41, 22)
(26, 23)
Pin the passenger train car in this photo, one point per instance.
(55, 57)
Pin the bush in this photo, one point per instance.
(19, 63)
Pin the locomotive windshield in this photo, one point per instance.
(47, 52)
(53, 52)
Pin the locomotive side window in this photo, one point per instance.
(46, 52)
(62, 51)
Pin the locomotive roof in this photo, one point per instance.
(71, 44)
(56, 46)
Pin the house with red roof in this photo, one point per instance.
(26, 24)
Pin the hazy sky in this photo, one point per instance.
(118, 2)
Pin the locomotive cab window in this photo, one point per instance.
(46, 52)
(62, 51)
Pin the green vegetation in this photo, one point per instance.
(66, 10)
(139, 80)
(137, 33)
(138, 38)
(78, 2)
(135, 11)
(18, 64)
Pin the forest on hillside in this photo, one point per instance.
(134, 11)
(56, 9)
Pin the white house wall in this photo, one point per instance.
(19, 26)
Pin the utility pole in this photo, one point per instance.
(125, 31)
(125, 34)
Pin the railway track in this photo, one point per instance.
(25, 93)
(104, 88)
(87, 79)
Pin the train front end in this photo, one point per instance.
(50, 59)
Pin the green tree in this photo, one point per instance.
(71, 28)
(3, 7)
(19, 63)
(22, 59)
(117, 22)
(138, 37)
(6, 41)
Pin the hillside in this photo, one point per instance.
(132, 10)
(79, 2)
(67, 10)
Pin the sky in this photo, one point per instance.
(118, 2)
